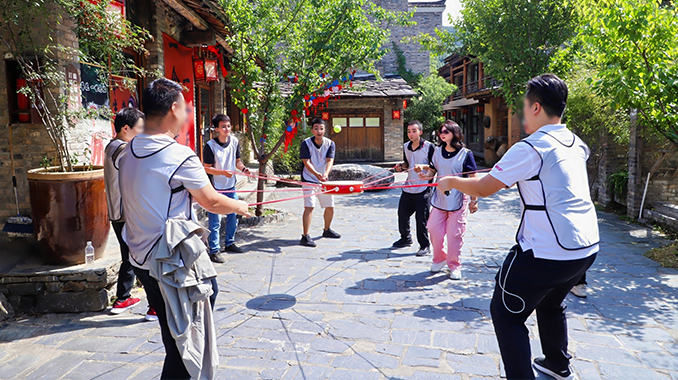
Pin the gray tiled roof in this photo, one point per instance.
(371, 88)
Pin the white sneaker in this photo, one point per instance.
(423, 251)
(437, 267)
(579, 290)
(455, 274)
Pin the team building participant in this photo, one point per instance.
(414, 200)
(159, 178)
(221, 157)
(450, 208)
(317, 154)
(558, 234)
(128, 123)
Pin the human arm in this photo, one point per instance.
(241, 166)
(208, 160)
(310, 168)
(474, 186)
(216, 203)
(210, 169)
(328, 168)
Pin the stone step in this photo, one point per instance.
(661, 218)
(666, 209)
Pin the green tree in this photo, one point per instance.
(634, 46)
(427, 106)
(514, 39)
(317, 43)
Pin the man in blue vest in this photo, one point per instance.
(557, 240)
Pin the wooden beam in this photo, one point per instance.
(188, 13)
(223, 43)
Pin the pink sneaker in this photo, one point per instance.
(119, 307)
(151, 315)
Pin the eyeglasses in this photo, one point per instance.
(444, 132)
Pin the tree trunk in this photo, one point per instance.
(261, 184)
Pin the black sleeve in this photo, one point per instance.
(208, 155)
(469, 164)
(304, 153)
(237, 151)
(431, 150)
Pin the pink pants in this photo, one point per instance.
(452, 224)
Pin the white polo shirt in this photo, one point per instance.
(155, 175)
(520, 164)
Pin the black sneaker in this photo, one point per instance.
(423, 251)
(234, 249)
(217, 258)
(306, 241)
(329, 233)
(541, 365)
(402, 243)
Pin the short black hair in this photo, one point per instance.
(127, 116)
(417, 123)
(218, 119)
(159, 96)
(549, 91)
(317, 120)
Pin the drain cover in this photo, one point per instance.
(271, 302)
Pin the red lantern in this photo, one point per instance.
(325, 115)
(481, 109)
(404, 104)
(244, 111)
(210, 69)
(395, 114)
(199, 69)
(464, 111)
(454, 113)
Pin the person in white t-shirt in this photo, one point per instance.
(557, 240)
(317, 155)
(159, 179)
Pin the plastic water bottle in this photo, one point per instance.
(89, 253)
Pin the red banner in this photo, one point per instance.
(179, 68)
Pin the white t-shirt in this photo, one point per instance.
(521, 162)
(155, 175)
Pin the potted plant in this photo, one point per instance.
(51, 41)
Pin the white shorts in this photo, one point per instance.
(325, 200)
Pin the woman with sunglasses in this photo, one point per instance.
(450, 208)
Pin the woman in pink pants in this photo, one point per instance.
(448, 216)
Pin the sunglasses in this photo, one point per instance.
(444, 132)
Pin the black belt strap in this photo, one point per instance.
(535, 207)
(178, 189)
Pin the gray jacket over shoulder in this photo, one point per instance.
(183, 269)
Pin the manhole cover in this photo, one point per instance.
(271, 302)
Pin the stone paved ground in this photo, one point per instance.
(353, 309)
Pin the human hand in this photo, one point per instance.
(399, 168)
(324, 177)
(227, 173)
(422, 175)
(418, 168)
(246, 170)
(243, 209)
(473, 207)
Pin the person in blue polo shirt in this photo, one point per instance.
(557, 240)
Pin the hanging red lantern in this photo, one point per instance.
(199, 69)
(464, 111)
(404, 104)
(325, 115)
(481, 109)
(454, 113)
(395, 114)
(244, 111)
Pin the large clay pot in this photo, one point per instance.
(69, 209)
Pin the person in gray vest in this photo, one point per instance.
(128, 123)
(317, 155)
(414, 200)
(159, 180)
(221, 157)
(557, 240)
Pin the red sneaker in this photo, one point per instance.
(151, 315)
(119, 307)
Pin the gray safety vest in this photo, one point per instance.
(318, 158)
(224, 159)
(561, 189)
(454, 199)
(113, 199)
(416, 157)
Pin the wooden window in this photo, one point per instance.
(372, 122)
(355, 122)
(340, 121)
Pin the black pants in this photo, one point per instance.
(417, 204)
(174, 367)
(126, 273)
(582, 280)
(542, 285)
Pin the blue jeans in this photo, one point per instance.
(215, 226)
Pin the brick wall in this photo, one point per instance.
(606, 159)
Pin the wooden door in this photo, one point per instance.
(203, 117)
(361, 137)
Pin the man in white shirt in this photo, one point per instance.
(558, 234)
(159, 179)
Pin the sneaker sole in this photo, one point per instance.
(554, 375)
(150, 318)
(421, 254)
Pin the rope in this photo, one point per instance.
(260, 191)
(278, 179)
(289, 199)
(380, 173)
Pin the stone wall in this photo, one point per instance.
(418, 61)
(607, 157)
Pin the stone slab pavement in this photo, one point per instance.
(354, 309)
